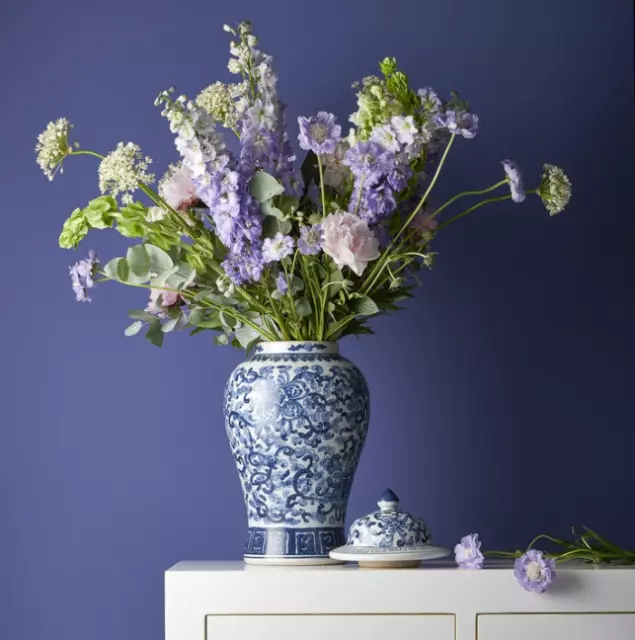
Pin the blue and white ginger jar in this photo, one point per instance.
(296, 415)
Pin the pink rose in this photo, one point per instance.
(349, 241)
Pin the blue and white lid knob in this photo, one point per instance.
(388, 501)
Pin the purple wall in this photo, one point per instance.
(501, 396)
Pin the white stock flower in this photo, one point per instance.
(349, 241)
(121, 171)
(53, 146)
(335, 173)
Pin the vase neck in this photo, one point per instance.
(297, 347)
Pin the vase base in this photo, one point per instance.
(290, 562)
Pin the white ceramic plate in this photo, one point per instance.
(376, 556)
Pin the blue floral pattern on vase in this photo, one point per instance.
(296, 422)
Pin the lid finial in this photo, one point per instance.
(388, 501)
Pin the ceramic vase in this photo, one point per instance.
(296, 415)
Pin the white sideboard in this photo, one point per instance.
(232, 601)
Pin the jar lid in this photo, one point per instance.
(389, 528)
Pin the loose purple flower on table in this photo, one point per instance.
(515, 178)
(310, 240)
(82, 276)
(277, 248)
(460, 122)
(319, 133)
(534, 571)
(468, 552)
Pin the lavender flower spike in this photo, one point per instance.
(515, 178)
(534, 571)
(82, 276)
(319, 133)
(468, 552)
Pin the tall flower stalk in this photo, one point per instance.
(252, 247)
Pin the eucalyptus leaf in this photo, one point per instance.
(264, 186)
(365, 306)
(169, 325)
(303, 307)
(269, 210)
(197, 315)
(154, 335)
(246, 335)
(111, 268)
(272, 225)
(140, 314)
(138, 260)
(134, 328)
(160, 260)
(162, 278)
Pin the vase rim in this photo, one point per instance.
(298, 346)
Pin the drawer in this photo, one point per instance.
(331, 627)
(557, 626)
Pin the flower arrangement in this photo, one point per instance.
(250, 246)
(535, 570)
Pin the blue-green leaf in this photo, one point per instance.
(134, 328)
(112, 267)
(365, 306)
(154, 335)
(168, 325)
(160, 261)
(138, 260)
(264, 186)
(303, 307)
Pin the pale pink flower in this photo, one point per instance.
(160, 300)
(177, 188)
(349, 241)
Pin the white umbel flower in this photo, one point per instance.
(53, 146)
(121, 171)
(554, 189)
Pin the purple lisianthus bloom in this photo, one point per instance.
(399, 176)
(310, 240)
(370, 161)
(461, 122)
(82, 276)
(277, 248)
(282, 286)
(534, 571)
(468, 552)
(515, 178)
(319, 133)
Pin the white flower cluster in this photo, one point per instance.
(197, 141)
(156, 214)
(121, 171)
(554, 189)
(226, 103)
(53, 146)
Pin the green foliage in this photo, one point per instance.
(132, 221)
(134, 328)
(365, 306)
(397, 86)
(100, 212)
(264, 187)
(74, 230)
(154, 334)
(138, 261)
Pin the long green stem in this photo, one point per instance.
(321, 170)
(383, 259)
(279, 319)
(464, 194)
(478, 205)
(85, 152)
